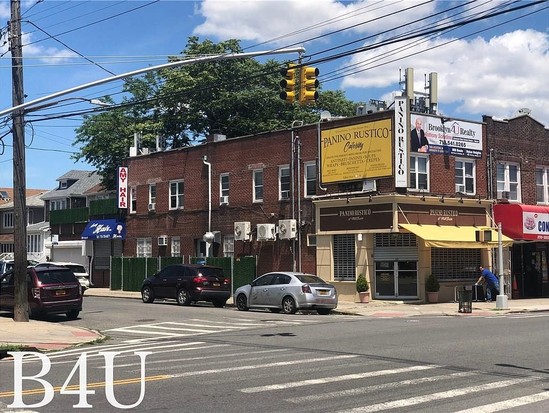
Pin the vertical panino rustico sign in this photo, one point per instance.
(401, 142)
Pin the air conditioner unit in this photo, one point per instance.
(224, 200)
(265, 232)
(284, 194)
(505, 195)
(242, 231)
(152, 206)
(460, 189)
(369, 185)
(287, 229)
(163, 241)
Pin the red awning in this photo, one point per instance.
(523, 222)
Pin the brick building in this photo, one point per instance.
(340, 180)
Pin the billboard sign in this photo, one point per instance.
(356, 152)
(451, 137)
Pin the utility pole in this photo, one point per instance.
(21, 307)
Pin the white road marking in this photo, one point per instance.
(508, 404)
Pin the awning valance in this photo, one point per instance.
(453, 237)
(104, 229)
(523, 222)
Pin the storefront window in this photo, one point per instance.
(455, 264)
(344, 258)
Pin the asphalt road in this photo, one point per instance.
(205, 359)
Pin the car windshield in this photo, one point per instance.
(76, 268)
(55, 277)
(310, 279)
(210, 272)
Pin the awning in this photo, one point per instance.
(453, 237)
(523, 222)
(104, 229)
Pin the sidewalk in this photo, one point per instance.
(48, 336)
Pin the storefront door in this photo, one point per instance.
(396, 279)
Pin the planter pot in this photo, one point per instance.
(432, 297)
(364, 296)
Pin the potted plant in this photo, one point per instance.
(432, 286)
(363, 288)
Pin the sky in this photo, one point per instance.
(490, 66)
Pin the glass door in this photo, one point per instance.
(396, 279)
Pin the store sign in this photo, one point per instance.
(441, 215)
(401, 142)
(536, 225)
(356, 152)
(358, 217)
(123, 187)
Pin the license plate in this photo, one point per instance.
(323, 292)
(215, 284)
(60, 292)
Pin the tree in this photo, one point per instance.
(184, 105)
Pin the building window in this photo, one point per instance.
(223, 189)
(455, 264)
(258, 185)
(344, 257)
(508, 181)
(284, 182)
(144, 247)
(310, 179)
(34, 243)
(176, 247)
(133, 199)
(152, 194)
(419, 172)
(542, 185)
(7, 221)
(228, 246)
(465, 177)
(177, 194)
(56, 204)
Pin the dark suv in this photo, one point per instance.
(188, 283)
(52, 290)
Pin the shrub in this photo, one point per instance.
(362, 284)
(431, 284)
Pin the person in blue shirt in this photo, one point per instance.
(492, 283)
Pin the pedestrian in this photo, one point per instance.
(492, 283)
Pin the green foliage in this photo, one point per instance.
(362, 284)
(431, 284)
(184, 105)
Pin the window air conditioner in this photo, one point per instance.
(284, 194)
(152, 206)
(163, 241)
(266, 232)
(224, 200)
(505, 195)
(242, 231)
(287, 229)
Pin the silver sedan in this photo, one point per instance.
(287, 292)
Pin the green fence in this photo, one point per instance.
(127, 273)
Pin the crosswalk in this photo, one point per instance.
(196, 327)
(323, 381)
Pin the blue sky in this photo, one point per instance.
(493, 66)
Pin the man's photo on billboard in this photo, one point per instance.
(418, 141)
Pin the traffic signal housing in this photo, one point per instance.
(288, 83)
(308, 85)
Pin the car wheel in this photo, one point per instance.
(183, 297)
(288, 305)
(219, 303)
(323, 311)
(274, 310)
(72, 314)
(147, 294)
(241, 303)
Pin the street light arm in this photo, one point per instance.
(224, 56)
(97, 102)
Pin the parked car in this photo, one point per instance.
(188, 283)
(78, 269)
(52, 290)
(287, 292)
(7, 265)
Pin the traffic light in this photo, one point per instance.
(288, 83)
(308, 84)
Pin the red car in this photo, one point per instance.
(52, 290)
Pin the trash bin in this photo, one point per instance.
(465, 299)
